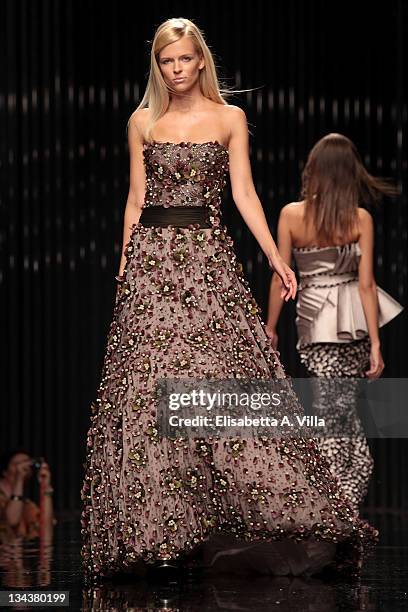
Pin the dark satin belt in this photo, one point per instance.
(179, 216)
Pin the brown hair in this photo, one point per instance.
(334, 184)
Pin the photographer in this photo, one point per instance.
(20, 516)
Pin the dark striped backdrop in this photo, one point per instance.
(72, 72)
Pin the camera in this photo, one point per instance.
(36, 462)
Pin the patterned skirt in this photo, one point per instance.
(349, 457)
(185, 310)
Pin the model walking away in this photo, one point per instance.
(339, 307)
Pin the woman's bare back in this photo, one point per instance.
(304, 234)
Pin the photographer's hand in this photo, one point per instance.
(44, 478)
(44, 475)
(14, 508)
(23, 470)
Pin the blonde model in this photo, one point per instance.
(184, 309)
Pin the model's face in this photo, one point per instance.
(180, 65)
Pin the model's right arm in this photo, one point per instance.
(368, 291)
(137, 180)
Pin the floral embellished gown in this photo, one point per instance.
(185, 310)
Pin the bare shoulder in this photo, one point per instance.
(293, 210)
(364, 217)
(365, 226)
(138, 119)
(233, 113)
(234, 122)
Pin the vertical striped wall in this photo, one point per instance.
(71, 74)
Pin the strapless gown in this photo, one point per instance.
(186, 310)
(333, 344)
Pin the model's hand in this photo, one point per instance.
(376, 363)
(286, 274)
(271, 333)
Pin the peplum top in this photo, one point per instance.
(329, 307)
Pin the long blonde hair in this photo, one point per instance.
(156, 96)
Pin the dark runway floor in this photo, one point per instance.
(383, 585)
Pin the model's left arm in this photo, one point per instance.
(248, 203)
(275, 302)
(368, 291)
